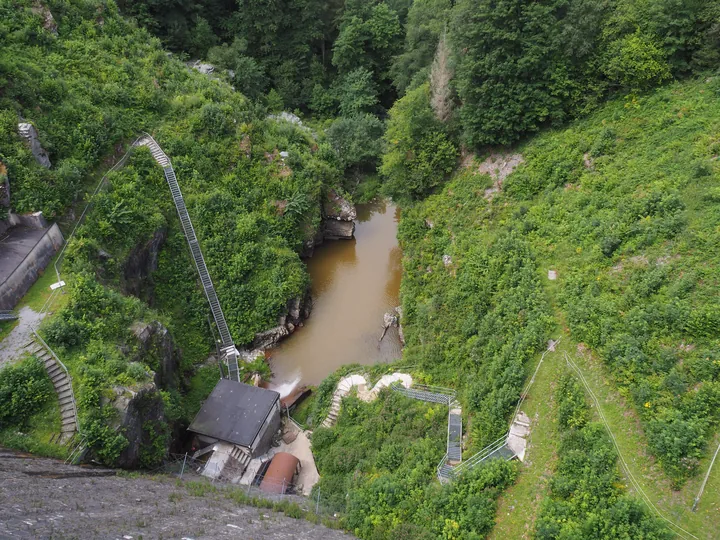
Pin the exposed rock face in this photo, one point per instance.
(202, 67)
(287, 117)
(140, 264)
(28, 132)
(297, 310)
(312, 242)
(156, 348)
(141, 410)
(338, 217)
(142, 420)
(499, 166)
(49, 23)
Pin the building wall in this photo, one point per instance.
(269, 429)
(18, 283)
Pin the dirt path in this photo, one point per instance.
(11, 347)
(44, 498)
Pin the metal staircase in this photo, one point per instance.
(445, 396)
(228, 349)
(432, 394)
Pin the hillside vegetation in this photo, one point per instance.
(623, 207)
(97, 81)
(577, 139)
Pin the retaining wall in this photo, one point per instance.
(29, 269)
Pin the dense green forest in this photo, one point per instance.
(519, 136)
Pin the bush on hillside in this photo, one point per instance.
(25, 388)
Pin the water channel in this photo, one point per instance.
(354, 283)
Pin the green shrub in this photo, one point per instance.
(25, 388)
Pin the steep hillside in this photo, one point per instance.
(91, 82)
(623, 207)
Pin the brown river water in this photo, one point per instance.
(354, 283)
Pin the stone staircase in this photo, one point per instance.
(8, 315)
(342, 390)
(63, 387)
(228, 349)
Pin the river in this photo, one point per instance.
(354, 283)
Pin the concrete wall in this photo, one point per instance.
(261, 444)
(27, 272)
(34, 220)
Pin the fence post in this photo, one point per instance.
(183, 466)
(317, 503)
(283, 489)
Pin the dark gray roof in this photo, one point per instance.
(234, 412)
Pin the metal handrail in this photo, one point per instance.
(481, 455)
(443, 462)
(434, 389)
(72, 392)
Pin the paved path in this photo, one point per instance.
(11, 348)
(44, 498)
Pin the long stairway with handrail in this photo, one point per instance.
(228, 349)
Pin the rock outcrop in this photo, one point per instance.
(141, 415)
(338, 217)
(202, 67)
(286, 117)
(297, 311)
(28, 132)
(140, 265)
(156, 348)
(49, 23)
(140, 408)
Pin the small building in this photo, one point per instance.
(238, 414)
(280, 475)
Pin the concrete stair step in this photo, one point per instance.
(55, 370)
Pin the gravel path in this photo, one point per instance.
(44, 498)
(11, 347)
